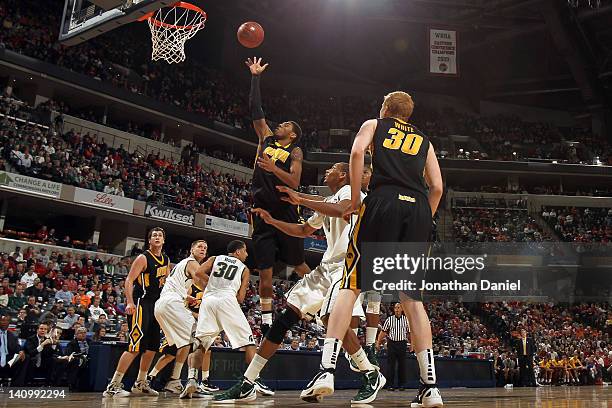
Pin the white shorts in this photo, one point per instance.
(175, 320)
(223, 313)
(316, 292)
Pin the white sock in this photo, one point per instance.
(154, 371)
(176, 372)
(427, 366)
(205, 375)
(266, 318)
(253, 370)
(142, 375)
(371, 335)
(331, 348)
(117, 377)
(361, 359)
(193, 373)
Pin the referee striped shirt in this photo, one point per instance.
(396, 328)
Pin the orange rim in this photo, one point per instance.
(181, 4)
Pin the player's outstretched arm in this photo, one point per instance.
(257, 114)
(139, 265)
(320, 206)
(362, 142)
(433, 178)
(243, 285)
(294, 230)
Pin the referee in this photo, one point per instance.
(397, 329)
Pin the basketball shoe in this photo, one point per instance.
(427, 397)
(243, 390)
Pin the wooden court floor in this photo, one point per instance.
(546, 397)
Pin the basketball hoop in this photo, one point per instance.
(171, 27)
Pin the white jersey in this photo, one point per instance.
(178, 282)
(225, 276)
(336, 229)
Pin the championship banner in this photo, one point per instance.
(30, 184)
(104, 200)
(228, 226)
(443, 52)
(169, 214)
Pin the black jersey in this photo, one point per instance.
(150, 282)
(399, 153)
(197, 293)
(265, 194)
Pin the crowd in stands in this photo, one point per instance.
(580, 224)
(572, 341)
(31, 28)
(495, 225)
(81, 160)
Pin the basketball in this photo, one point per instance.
(250, 34)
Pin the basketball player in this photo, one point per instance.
(196, 359)
(373, 298)
(200, 360)
(279, 163)
(175, 319)
(398, 209)
(143, 283)
(316, 291)
(228, 279)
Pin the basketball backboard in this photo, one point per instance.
(85, 19)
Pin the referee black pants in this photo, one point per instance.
(396, 358)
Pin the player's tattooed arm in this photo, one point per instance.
(139, 265)
(291, 178)
(294, 230)
(243, 285)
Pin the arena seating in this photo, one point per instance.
(30, 28)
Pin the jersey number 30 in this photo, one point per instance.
(225, 271)
(410, 143)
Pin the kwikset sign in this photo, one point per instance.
(169, 214)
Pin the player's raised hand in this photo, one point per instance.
(266, 163)
(255, 66)
(291, 197)
(263, 214)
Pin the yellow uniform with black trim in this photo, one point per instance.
(270, 244)
(396, 209)
(144, 328)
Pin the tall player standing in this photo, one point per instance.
(279, 163)
(403, 161)
(143, 284)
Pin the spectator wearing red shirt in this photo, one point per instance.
(71, 268)
(6, 284)
(88, 268)
(42, 234)
(71, 283)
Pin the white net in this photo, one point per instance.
(171, 28)
(585, 3)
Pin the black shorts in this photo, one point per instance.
(271, 245)
(164, 348)
(144, 329)
(388, 214)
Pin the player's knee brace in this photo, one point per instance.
(285, 320)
